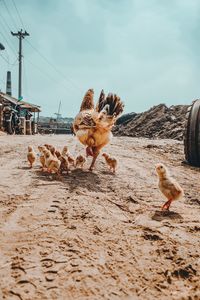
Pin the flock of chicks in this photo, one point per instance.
(54, 161)
(92, 126)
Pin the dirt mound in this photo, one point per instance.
(158, 122)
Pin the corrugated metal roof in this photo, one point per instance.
(29, 106)
(9, 98)
(22, 104)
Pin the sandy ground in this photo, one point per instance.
(98, 235)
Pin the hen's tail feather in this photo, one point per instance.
(88, 100)
(116, 106)
(100, 103)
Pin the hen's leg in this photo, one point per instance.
(89, 151)
(95, 155)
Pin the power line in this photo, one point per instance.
(2, 17)
(4, 59)
(57, 70)
(19, 16)
(41, 55)
(40, 70)
(8, 11)
(44, 73)
(8, 43)
(5, 38)
(25, 81)
(14, 63)
(6, 27)
(53, 79)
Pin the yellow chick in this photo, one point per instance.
(58, 153)
(64, 165)
(51, 162)
(168, 186)
(31, 156)
(65, 152)
(48, 146)
(80, 161)
(52, 149)
(111, 162)
(42, 158)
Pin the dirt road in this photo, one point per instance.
(98, 235)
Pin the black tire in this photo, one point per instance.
(192, 134)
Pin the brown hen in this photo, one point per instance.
(93, 125)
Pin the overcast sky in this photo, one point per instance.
(146, 51)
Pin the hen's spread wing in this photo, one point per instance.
(100, 103)
(104, 116)
(88, 101)
(111, 104)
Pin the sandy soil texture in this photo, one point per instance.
(98, 235)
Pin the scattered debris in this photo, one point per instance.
(158, 122)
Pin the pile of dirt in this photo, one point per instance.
(158, 122)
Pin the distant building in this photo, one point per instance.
(54, 125)
(18, 116)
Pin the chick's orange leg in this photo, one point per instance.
(167, 204)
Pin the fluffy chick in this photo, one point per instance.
(168, 186)
(80, 161)
(57, 153)
(47, 146)
(64, 165)
(52, 149)
(51, 162)
(111, 162)
(66, 153)
(42, 158)
(31, 156)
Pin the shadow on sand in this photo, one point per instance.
(163, 215)
(24, 168)
(84, 179)
(74, 180)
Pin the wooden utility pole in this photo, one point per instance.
(20, 35)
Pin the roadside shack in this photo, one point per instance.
(18, 117)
